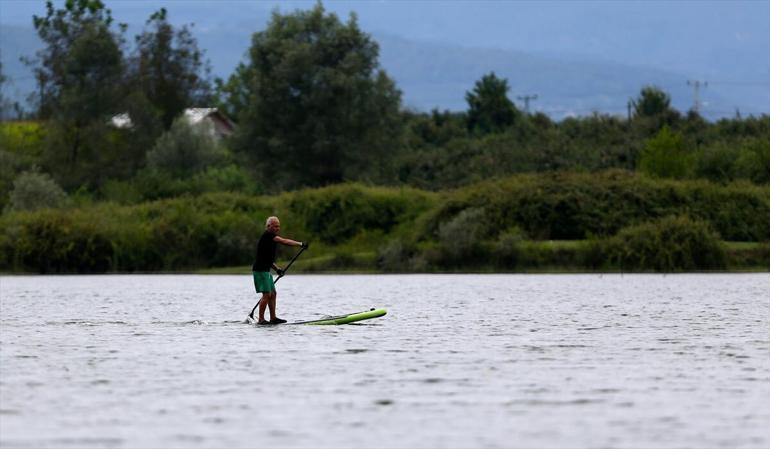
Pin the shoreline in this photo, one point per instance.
(354, 272)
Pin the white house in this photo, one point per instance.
(122, 121)
(218, 123)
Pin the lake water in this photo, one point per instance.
(460, 361)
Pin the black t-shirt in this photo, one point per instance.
(265, 252)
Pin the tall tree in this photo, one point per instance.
(320, 109)
(489, 108)
(653, 112)
(81, 64)
(651, 102)
(170, 68)
(80, 74)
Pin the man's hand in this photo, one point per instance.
(280, 271)
(304, 244)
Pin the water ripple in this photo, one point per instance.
(459, 361)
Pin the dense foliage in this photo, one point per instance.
(489, 225)
(565, 206)
(314, 107)
(319, 109)
(669, 244)
(170, 69)
(33, 190)
(489, 108)
(86, 77)
(491, 187)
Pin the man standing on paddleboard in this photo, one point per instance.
(265, 260)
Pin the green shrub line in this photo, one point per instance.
(609, 221)
(551, 256)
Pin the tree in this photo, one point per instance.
(651, 102)
(320, 109)
(82, 62)
(754, 161)
(170, 69)
(435, 129)
(664, 156)
(80, 74)
(489, 109)
(653, 111)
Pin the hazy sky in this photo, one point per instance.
(678, 34)
(726, 43)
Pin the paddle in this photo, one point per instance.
(251, 315)
(287, 266)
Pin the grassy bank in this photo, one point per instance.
(612, 221)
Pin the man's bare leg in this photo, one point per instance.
(263, 303)
(271, 304)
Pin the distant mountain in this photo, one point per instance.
(435, 75)
(436, 53)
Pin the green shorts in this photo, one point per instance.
(263, 281)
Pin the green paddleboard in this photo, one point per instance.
(347, 319)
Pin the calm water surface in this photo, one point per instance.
(573, 361)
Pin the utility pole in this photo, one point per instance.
(525, 99)
(696, 93)
(629, 105)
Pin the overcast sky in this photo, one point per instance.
(722, 42)
(675, 35)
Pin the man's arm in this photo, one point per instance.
(287, 242)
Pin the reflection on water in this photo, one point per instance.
(459, 361)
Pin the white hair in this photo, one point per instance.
(270, 220)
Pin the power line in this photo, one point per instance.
(526, 99)
(696, 94)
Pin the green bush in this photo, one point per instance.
(753, 162)
(460, 238)
(185, 149)
(550, 254)
(747, 159)
(406, 229)
(337, 213)
(669, 244)
(55, 242)
(151, 184)
(237, 236)
(664, 156)
(393, 256)
(121, 192)
(576, 206)
(33, 190)
(20, 150)
(11, 165)
(23, 138)
(716, 163)
(507, 249)
(750, 256)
